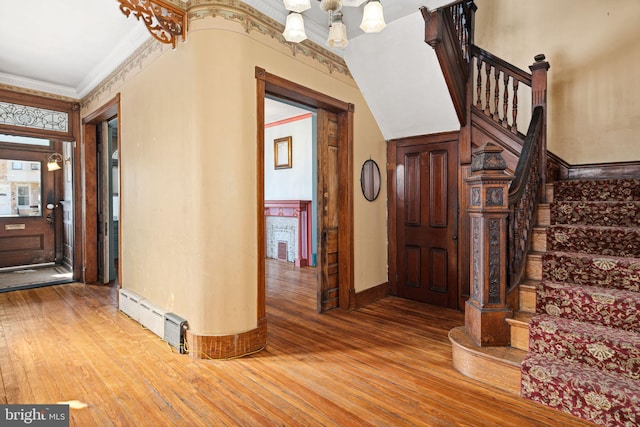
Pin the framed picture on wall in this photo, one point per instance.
(282, 152)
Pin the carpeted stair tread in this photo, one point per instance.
(608, 307)
(611, 241)
(609, 349)
(584, 391)
(601, 213)
(597, 189)
(592, 270)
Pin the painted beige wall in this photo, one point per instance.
(593, 49)
(188, 156)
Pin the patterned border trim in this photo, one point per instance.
(135, 61)
(253, 20)
(231, 10)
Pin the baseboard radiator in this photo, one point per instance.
(129, 304)
(175, 328)
(152, 317)
(168, 326)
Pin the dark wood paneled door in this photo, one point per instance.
(426, 223)
(328, 218)
(27, 225)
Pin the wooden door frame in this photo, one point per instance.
(89, 204)
(269, 84)
(72, 108)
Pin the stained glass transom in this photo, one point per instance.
(32, 117)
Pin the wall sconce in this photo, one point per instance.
(54, 161)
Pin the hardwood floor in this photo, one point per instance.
(388, 364)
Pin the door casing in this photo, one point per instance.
(269, 84)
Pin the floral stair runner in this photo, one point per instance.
(584, 346)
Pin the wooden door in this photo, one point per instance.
(426, 223)
(27, 226)
(328, 218)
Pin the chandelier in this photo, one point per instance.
(372, 19)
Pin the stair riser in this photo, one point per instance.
(520, 336)
(621, 242)
(533, 267)
(612, 273)
(605, 214)
(593, 190)
(617, 309)
(543, 215)
(539, 240)
(527, 299)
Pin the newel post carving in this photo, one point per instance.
(486, 308)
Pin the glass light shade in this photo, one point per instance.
(297, 5)
(338, 35)
(373, 18)
(294, 28)
(53, 166)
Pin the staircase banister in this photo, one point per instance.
(501, 64)
(525, 161)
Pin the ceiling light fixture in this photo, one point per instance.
(294, 29)
(372, 19)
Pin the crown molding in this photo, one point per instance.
(25, 84)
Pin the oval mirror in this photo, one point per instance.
(370, 180)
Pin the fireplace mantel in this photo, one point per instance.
(300, 209)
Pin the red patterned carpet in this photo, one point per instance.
(584, 347)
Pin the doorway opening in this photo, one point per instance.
(290, 205)
(101, 148)
(334, 191)
(108, 175)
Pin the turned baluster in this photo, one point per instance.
(505, 102)
(496, 97)
(487, 105)
(514, 110)
(479, 84)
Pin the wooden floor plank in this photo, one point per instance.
(385, 364)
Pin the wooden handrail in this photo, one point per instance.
(501, 64)
(524, 195)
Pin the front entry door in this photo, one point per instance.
(28, 207)
(426, 222)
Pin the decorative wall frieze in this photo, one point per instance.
(253, 20)
(231, 10)
(136, 61)
(164, 21)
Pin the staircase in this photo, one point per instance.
(584, 337)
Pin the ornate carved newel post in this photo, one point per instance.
(486, 308)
